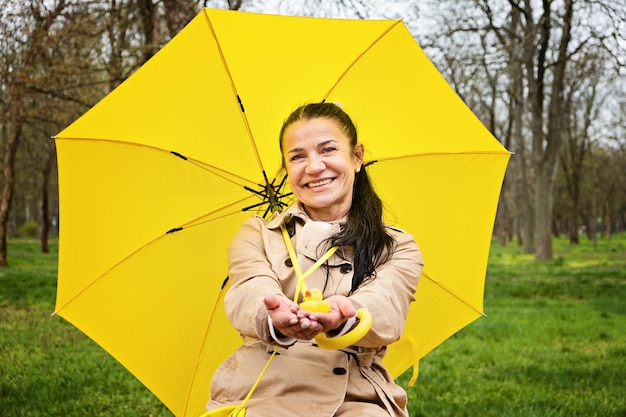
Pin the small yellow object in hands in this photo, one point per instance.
(314, 301)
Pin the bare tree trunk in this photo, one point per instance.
(44, 205)
(525, 213)
(149, 24)
(607, 220)
(572, 230)
(527, 221)
(523, 219)
(8, 170)
(592, 227)
(178, 13)
(549, 156)
(544, 204)
(117, 27)
(546, 146)
(535, 74)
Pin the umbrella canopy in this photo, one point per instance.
(155, 177)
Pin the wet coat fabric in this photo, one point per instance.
(305, 380)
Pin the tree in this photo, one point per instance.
(538, 60)
(525, 216)
(545, 42)
(24, 30)
(581, 109)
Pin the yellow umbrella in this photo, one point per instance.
(155, 177)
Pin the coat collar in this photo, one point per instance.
(312, 236)
(294, 210)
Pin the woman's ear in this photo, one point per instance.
(358, 156)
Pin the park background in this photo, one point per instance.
(546, 78)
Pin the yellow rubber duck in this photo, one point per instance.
(314, 301)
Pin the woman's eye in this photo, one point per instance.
(296, 157)
(328, 149)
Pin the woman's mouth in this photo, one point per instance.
(319, 183)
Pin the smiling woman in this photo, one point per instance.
(321, 162)
(358, 263)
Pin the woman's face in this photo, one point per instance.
(321, 166)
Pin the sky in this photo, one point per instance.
(408, 10)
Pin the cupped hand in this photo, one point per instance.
(289, 319)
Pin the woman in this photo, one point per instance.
(376, 267)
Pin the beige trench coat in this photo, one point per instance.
(305, 380)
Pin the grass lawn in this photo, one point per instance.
(553, 344)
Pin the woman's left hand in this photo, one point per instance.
(289, 319)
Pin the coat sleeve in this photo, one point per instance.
(389, 296)
(252, 277)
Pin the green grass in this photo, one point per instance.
(553, 344)
(48, 367)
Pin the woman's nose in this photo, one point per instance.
(315, 165)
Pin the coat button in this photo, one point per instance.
(345, 268)
(288, 262)
(339, 371)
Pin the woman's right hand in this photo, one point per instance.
(289, 319)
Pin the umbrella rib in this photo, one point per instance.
(235, 92)
(225, 175)
(195, 222)
(477, 152)
(222, 173)
(349, 67)
(457, 296)
(204, 340)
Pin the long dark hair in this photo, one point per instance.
(364, 229)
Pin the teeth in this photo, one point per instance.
(319, 183)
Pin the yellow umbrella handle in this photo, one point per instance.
(313, 302)
(350, 338)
